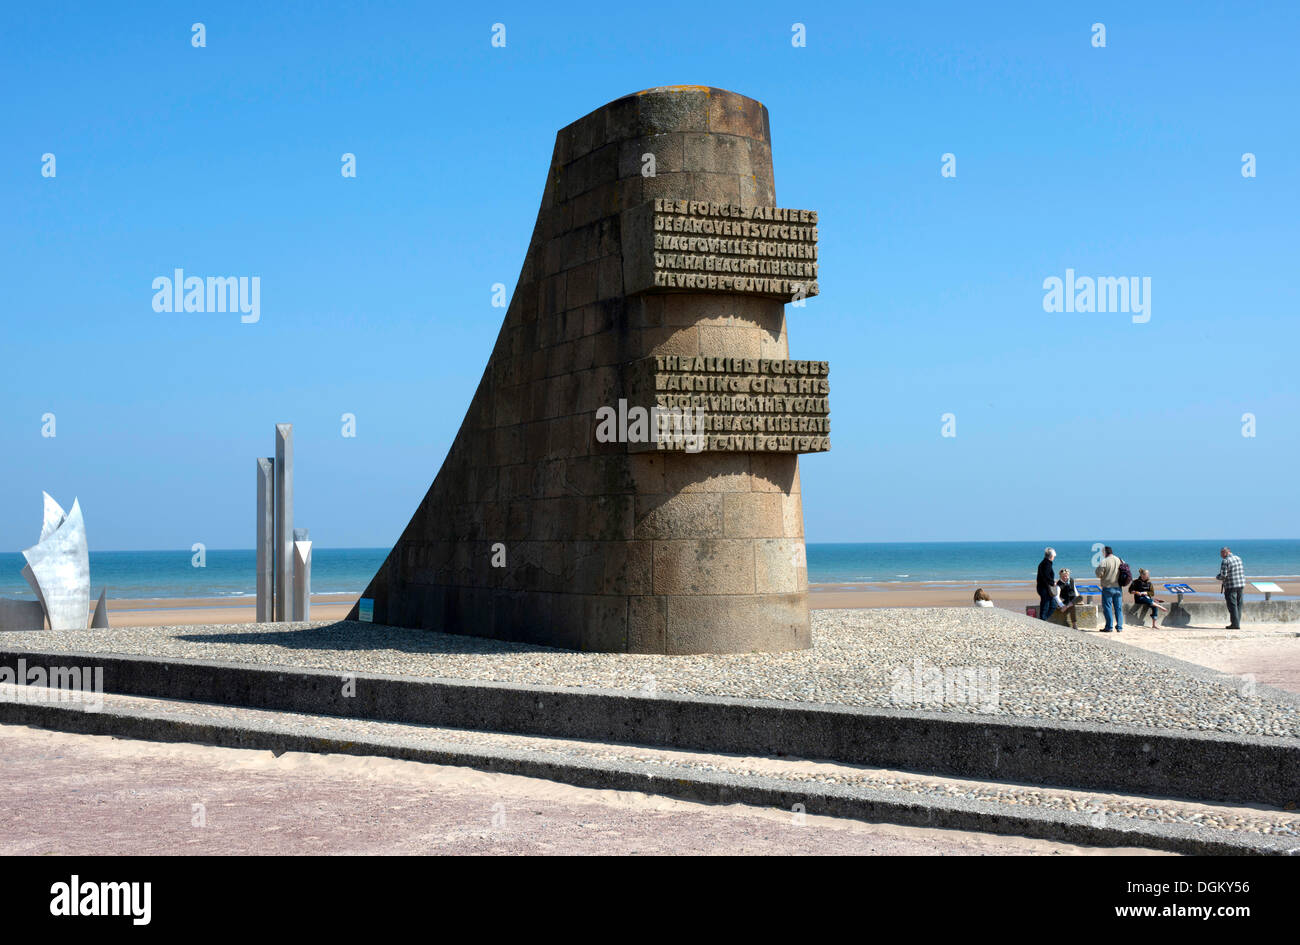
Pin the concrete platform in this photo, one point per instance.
(781, 784)
(1208, 766)
(263, 802)
(987, 662)
(1066, 711)
(1210, 610)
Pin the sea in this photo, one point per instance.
(230, 573)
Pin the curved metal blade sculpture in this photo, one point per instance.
(58, 567)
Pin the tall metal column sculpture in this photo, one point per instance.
(283, 520)
(301, 575)
(265, 538)
(283, 553)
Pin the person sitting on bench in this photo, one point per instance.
(1144, 593)
(1069, 596)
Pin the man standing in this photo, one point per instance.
(1232, 574)
(1112, 595)
(1046, 578)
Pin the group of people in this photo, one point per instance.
(1056, 592)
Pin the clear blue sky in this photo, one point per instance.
(376, 291)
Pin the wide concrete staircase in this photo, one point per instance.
(1057, 781)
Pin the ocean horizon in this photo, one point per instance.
(230, 572)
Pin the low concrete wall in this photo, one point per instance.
(1087, 616)
(1182, 764)
(21, 614)
(1211, 611)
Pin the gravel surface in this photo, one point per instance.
(936, 659)
(1102, 805)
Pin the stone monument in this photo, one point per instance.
(627, 475)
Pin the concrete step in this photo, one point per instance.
(1208, 766)
(824, 788)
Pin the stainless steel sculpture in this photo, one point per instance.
(283, 567)
(301, 580)
(99, 620)
(58, 571)
(58, 567)
(30, 578)
(53, 517)
(265, 539)
(283, 520)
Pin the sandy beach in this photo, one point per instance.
(186, 611)
(1013, 595)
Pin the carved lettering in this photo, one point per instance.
(750, 405)
(723, 247)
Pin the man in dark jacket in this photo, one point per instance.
(1046, 578)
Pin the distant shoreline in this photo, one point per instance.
(226, 575)
(1078, 579)
(247, 598)
(1011, 594)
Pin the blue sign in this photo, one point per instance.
(366, 610)
(1180, 588)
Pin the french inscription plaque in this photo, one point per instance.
(701, 246)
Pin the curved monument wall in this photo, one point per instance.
(607, 547)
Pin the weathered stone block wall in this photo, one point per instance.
(605, 548)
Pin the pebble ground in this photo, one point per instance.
(993, 662)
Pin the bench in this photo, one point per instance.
(1088, 616)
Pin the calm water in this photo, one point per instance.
(1018, 560)
(146, 574)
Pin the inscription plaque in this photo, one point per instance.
(700, 246)
(722, 404)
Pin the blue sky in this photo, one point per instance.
(1122, 161)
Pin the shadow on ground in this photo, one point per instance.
(347, 635)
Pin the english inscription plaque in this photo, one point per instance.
(722, 404)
